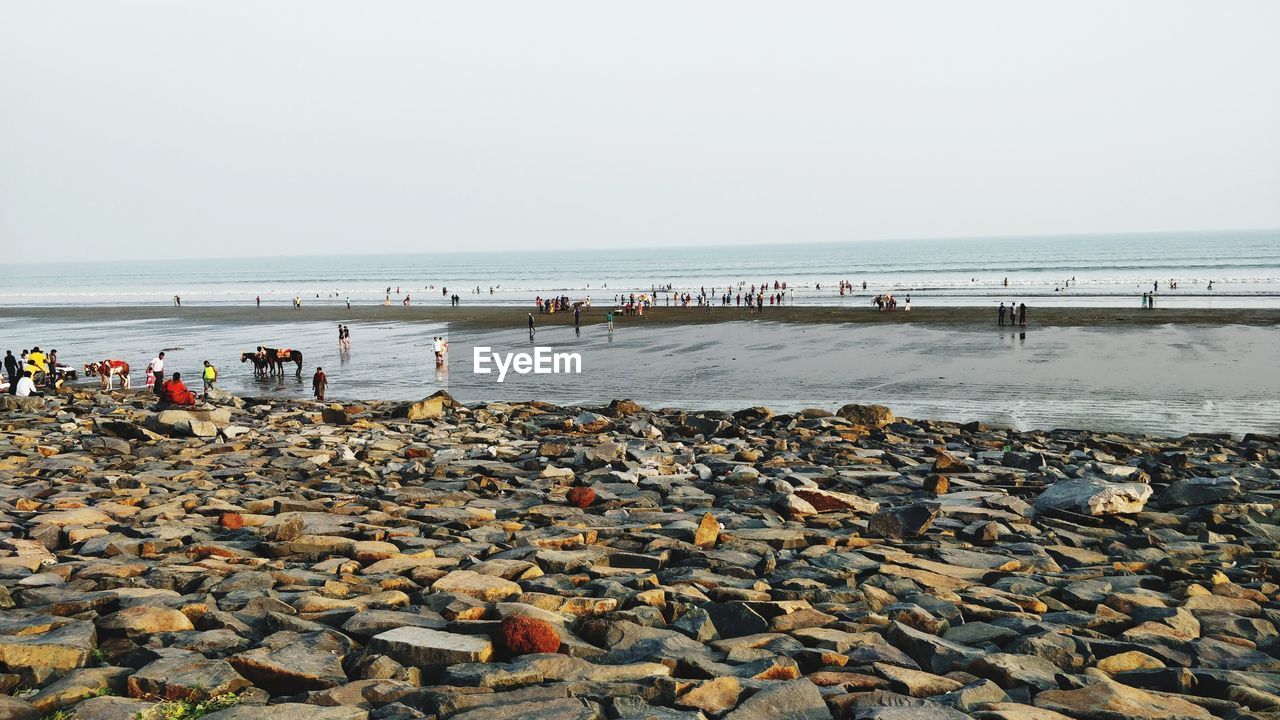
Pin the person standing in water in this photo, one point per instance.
(156, 369)
(209, 375)
(259, 300)
(318, 383)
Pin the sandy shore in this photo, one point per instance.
(491, 316)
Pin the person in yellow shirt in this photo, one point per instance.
(210, 374)
(35, 362)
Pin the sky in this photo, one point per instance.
(163, 129)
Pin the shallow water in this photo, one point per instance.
(1162, 379)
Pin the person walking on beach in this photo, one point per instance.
(1022, 314)
(608, 319)
(1001, 314)
(11, 369)
(531, 327)
(209, 374)
(258, 300)
(156, 369)
(318, 383)
(1151, 301)
(577, 316)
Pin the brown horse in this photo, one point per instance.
(273, 359)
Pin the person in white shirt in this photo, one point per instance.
(26, 386)
(156, 368)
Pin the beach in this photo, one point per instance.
(1157, 371)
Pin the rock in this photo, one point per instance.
(79, 685)
(287, 662)
(421, 646)
(289, 711)
(713, 696)
(1109, 700)
(185, 676)
(39, 655)
(1200, 491)
(481, 587)
(903, 522)
(708, 532)
(1094, 497)
(12, 708)
(521, 635)
(793, 700)
(145, 620)
(873, 416)
(581, 497)
(426, 409)
(109, 707)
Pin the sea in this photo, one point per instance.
(1083, 270)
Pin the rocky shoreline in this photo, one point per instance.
(499, 561)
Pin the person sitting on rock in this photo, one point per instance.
(26, 387)
(176, 393)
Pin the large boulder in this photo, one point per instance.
(873, 416)
(25, 404)
(1094, 497)
(196, 422)
(425, 409)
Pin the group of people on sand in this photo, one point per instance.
(173, 390)
(886, 302)
(1017, 313)
(34, 369)
(547, 306)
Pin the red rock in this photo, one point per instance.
(581, 496)
(525, 635)
(232, 521)
(414, 452)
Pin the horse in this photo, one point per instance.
(275, 358)
(260, 363)
(107, 370)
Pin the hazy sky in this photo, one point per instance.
(189, 129)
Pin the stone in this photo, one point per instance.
(145, 620)
(713, 696)
(581, 497)
(1094, 497)
(415, 646)
(1109, 700)
(481, 587)
(873, 416)
(903, 522)
(520, 635)
(426, 409)
(185, 676)
(792, 700)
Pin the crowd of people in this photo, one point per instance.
(28, 373)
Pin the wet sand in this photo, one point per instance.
(1161, 372)
(494, 316)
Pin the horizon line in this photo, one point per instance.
(482, 251)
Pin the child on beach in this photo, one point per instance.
(209, 374)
